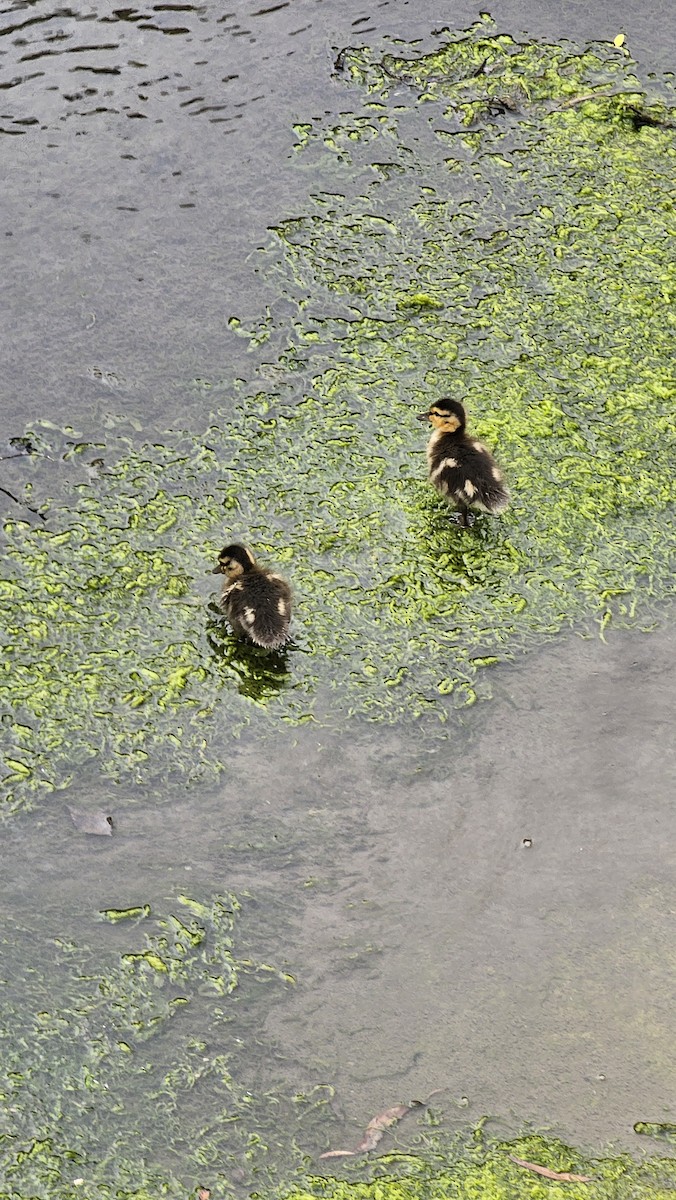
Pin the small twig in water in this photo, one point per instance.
(23, 502)
(562, 1176)
(583, 99)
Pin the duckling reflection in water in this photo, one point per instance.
(257, 602)
(461, 468)
(258, 673)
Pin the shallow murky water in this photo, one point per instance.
(487, 913)
(481, 906)
(509, 912)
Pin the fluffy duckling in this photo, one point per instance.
(257, 603)
(461, 467)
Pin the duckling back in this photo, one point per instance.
(464, 470)
(258, 605)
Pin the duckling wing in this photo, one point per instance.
(491, 493)
(466, 472)
(261, 609)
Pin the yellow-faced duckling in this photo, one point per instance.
(461, 467)
(257, 603)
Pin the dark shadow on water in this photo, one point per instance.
(260, 673)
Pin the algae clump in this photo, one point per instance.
(497, 245)
(486, 1169)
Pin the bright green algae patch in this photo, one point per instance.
(487, 1171)
(494, 234)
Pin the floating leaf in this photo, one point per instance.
(19, 768)
(153, 960)
(374, 1131)
(91, 820)
(377, 1126)
(619, 40)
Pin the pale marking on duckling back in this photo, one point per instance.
(277, 578)
(497, 475)
(249, 617)
(281, 607)
(441, 467)
(469, 488)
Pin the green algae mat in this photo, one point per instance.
(490, 1172)
(493, 224)
(497, 229)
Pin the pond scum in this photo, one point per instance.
(505, 240)
(131, 1081)
(495, 229)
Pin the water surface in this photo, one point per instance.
(480, 906)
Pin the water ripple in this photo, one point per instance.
(164, 60)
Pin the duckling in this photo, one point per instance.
(257, 603)
(461, 467)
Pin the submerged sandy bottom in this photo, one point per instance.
(443, 952)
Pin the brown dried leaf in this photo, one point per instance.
(561, 1176)
(374, 1131)
(91, 821)
(369, 1141)
(389, 1117)
(377, 1126)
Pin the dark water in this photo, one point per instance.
(146, 152)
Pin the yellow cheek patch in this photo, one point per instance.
(448, 424)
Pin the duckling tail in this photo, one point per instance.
(497, 499)
(490, 495)
(268, 638)
(270, 626)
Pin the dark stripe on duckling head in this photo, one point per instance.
(234, 559)
(445, 414)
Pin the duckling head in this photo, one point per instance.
(234, 560)
(446, 415)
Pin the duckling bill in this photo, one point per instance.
(461, 468)
(257, 602)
